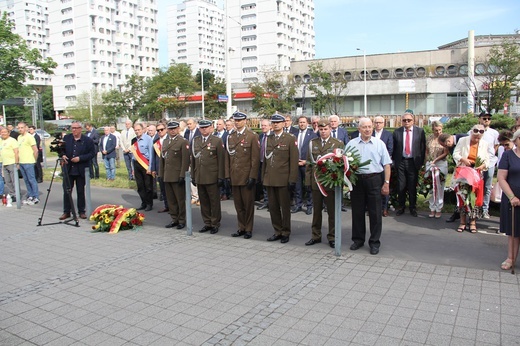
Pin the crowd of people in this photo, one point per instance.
(226, 159)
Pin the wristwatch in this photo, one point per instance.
(387, 181)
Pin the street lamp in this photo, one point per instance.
(364, 77)
(202, 84)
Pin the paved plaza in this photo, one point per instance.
(63, 285)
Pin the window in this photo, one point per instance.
(385, 73)
(440, 70)
(410, 72)
(399, 73)
(480, 69)
(452, 70)
(347, 75)
(463, 70)
(421, 72)
(374, 74)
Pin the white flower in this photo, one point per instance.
(350, 158)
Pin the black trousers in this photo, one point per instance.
(79, 181)
(94, 167)
(366, 195)
(144, 184)
(407, 175)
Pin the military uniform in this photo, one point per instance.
(280, 168)
(207, 165)
(317, 150)
(242, 162)
(175, 161)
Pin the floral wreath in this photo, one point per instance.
(113, 218)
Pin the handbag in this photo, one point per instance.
(496, 193)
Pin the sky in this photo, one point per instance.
(384, 26)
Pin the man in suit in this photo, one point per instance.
(302, 190)
(162, 135)
(222, 133)
(242, 161)
(288, 128)
(107, 146)
(207, 165)
(265, 127)
(279, 174)
(408, 156)
(336, 131)
(151, 130)
(79, 150)
(319, 147)
(93, 134)
(175, 161)
(386, 137)
(192, 130)
(127, 135)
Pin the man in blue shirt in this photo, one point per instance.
(372, 181)
(142, 150)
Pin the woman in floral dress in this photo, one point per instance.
(436, 158)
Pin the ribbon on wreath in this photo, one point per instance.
(437, 191)
(473, 178)
(336, 153)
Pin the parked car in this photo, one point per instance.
(43, 133)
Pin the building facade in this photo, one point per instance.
(196, 35)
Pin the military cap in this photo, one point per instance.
(239, 116)
(205, 123)
(277, 118)
(323, 123)
(172, 124)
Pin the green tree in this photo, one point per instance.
(272, 93)
(17, 60)
(209, 78)
(48, 104)
(212, 108)
(127, 102)
(503, 63)
(328, 87)
(80, 109)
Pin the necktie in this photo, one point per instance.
(191, 136)
(126, 134)
(300, 140)
(334, 133)
(407, 148)
(203, 139)
(323, 143)
(286, 129)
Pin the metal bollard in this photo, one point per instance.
(17, 188)
(88, 199)
(189, 222)
(337, 220)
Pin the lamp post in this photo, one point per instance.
(202, 84)
(364, 77)
(39, 90)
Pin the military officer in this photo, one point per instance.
(319, 147)
(175, 161)
(207, 165)
(241, 167)
(279, 175)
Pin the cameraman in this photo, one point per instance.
(76, 152)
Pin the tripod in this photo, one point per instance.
(68, 192)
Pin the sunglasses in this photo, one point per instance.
(406, 120)
(478, 131)
(75, 128)
(160, 130)
(486, 119)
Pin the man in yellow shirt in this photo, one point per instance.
(9, 153)
(28, 153)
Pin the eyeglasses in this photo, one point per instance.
(75, 128)
(406, 120)
(486, 119)
(478, 131)
(160, 130)
(380, 122)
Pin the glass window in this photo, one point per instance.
(385, 73)
(440, 70)
(399, 73)
(452, 70)
(410, 72)
(421, 72)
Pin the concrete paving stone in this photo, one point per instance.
(345, 334)
(332, 320)
(488, 337)
(115, 341)
(413, 335)
(360, 314)
(399, 321)
(470, 313)
(422, 315)
(404, 312)
(507, 339)
(11, 340)
(262, 340)
(148, 323)
(441, 328)
(63, 341)
(352, 324)
(388, 341)
(281, 342)
(365, 339)
(394, 331)
(466, 322)
(294, 335)
(146, 338)
(464, 332)
(445, 318)
(45, 338)
(130, 333)
(367, 306)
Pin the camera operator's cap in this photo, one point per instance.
(239, 116)
(172, 124)
(323, 123)
(277, 118)
(485, 114)
(205, 123)
(408, 111)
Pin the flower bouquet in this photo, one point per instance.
(468, 185)
(338, 168)
(430, 179)
(112, 218)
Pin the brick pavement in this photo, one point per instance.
(62, 285)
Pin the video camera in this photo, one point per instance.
(58, 144)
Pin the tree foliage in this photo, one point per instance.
(272, 93)
(463, 124)
(327, 87)
(212, 108)
(80, 109)
(17, 60)
(503, 63)
(127, 102)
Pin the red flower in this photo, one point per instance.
(334, 176)
(323, 169)
(124, 223)
(337, 159)
(349, 173)
(320, 163)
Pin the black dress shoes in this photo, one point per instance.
(296, 209)
(374, 250)
(248, 235)
(181, 226)
(274, 237)
(355, 246)
(148, 208)
(261, 207)
(213, 230)
(332, 244)
(453, 217)
(308, 211)
(165, 210)
(313, 241)
(343, 208)
(238, 233)
(142, 207)
(413, 212)
(399, 212)
(284, 239)
(172, 224)
(205, 229)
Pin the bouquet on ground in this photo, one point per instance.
(468, 185)
(337, 169)
(430, 180)
(113, 218)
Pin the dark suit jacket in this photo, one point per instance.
(110, 148)
(305, 144)
(157, 159)
(342, 135)
(418, 146)
(293, 130)
(187, 134)
(94, 135)
(386, 137)
(84, 149)
(223, 138)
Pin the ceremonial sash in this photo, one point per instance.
(158, 148)
(139, 157)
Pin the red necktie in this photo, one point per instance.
(407, 149)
